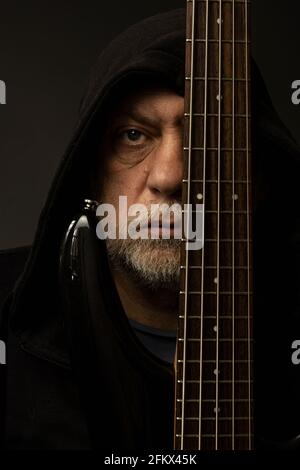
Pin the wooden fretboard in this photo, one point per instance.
(214, 376)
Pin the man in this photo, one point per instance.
(142, 159)
(76, 383)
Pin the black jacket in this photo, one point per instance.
(126, 397)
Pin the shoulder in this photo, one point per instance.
(12, 262)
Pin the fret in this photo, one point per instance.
(216, 79)
(213, 435)
(227, 240)
(216, 181)
(213, 212)
(214, 381)
(229, 418)
(220, 267)
(221, 361)
(213, 400)
(224, 41)
(214, 340)
(222, 240)
(241, 2)
(215, 149)
(221, 317)
(215, 293)
(242, 116)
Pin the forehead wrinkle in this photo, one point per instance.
(151, 107)
(151, 119)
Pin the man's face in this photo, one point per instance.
(142, 157)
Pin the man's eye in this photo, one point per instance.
(133, 135)
(132, 141)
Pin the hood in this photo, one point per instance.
(153, 47)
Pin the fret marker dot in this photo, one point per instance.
(216, 372)
(216, 280)
(219, 97)
(235, 197)
(215, 328)
(215, 410)
(199, 196)
(219, 21)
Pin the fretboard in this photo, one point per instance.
(214, 376)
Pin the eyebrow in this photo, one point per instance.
(147, 120)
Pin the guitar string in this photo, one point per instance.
(188, 222)
(233, 223)
(203, 220)
(218, 226)
(248, 222)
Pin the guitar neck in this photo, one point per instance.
(214, 351)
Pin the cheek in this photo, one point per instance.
(128, 182)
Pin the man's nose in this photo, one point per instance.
(166, 172)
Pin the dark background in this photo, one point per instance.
(46, 50)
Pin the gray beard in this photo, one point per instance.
(155, 264)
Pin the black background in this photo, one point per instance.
(46, 50)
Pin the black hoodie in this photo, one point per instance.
(126, 400)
